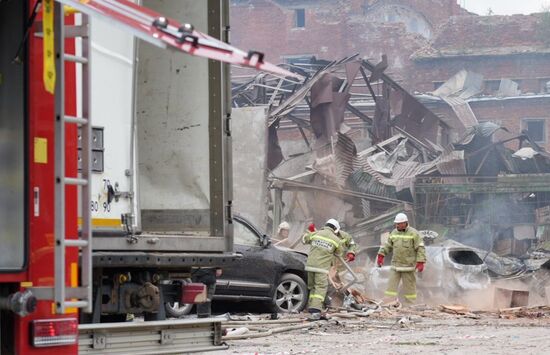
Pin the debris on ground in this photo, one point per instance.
(458, 309)
(525, 312)
(386, 316)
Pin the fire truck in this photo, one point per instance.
(115, 170)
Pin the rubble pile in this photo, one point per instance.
(388, 316)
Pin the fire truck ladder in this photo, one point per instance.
(81, 296)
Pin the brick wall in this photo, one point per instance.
(333, 29)
(435, 11)
(510, 113)
(529, 68)
(469, 32)
(270, 28)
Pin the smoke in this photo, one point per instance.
(484, 220)
(466, 284)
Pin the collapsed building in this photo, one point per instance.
(427, 42)
(451, 127)
(371, 149)
(408, 157)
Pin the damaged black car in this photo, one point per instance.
(266, 273)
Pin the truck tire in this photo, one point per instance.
(290, 295)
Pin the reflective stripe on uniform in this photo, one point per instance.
(390, 293)
(411, 297)
(313, 295)
(393, 236)
(403, 268)
(316, 269)
(318, 237)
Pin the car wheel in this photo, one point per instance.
(178, 310)
(290, 294)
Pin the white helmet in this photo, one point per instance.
(283, 225)
(334, 223)
(400, 218)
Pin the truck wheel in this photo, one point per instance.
(290, 294)
(178, 310)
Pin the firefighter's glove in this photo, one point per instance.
(311, 227)
(350, 257)
(420, 266)
(380, 260)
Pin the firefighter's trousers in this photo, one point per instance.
(409, 284)
(317, 284)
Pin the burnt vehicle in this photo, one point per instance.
(451, 269)
(266, 273)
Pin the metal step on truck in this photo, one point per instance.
(116, 172)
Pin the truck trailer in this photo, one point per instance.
(115, 164)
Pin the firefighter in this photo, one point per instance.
(282, 233)
(408, 255)
(325, 244)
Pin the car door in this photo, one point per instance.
(252, 275)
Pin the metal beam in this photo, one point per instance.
(506, 184)
(221, 192)
(367, 81)
(358, 113)
(285, 184)
(174, 260)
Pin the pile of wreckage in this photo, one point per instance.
(369, 315)
(371, 149)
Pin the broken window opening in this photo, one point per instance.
(465, 257)
(544, 85)
(536, 129)
(437, 84)
(519, 82)
(300, 18)
(491, 87)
